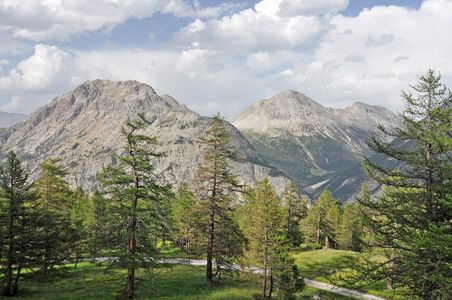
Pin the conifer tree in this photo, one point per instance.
(81, 218)
(54, 219)
(263, 222)
(214, 186)
(183, 215)
(17, 214)
(100, 229)
(296, 208)
(411, 221)
(135, 199)
(323, 219)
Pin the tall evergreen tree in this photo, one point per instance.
(100, 228)
(54, 219)
(81, 220)
(16, 222)
(352, 231)
(323, 219)
(296, 208)
(183, 216)
(263, 222)
(214, 186)
(411, 221)
(135, 199)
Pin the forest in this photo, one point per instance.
(403, 236)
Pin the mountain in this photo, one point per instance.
(307, 141)
(8, 119)
(82, 127)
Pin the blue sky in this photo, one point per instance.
(223, 55)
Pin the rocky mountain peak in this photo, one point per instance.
(289, 111)
(82, 127)
(306, 140)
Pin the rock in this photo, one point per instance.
(83, 128)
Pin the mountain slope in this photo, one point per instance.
(307, 141)
(8, 119)
(83, 128)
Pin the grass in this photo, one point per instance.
(315, 264)
(91, 281)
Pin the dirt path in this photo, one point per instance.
(319, 285)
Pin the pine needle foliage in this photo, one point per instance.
(411, 223)
(135, 200)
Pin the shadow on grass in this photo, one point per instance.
(90, 281)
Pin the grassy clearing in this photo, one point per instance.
(90, 281)
(315, 264)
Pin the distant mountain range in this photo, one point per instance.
(286, 137)
(8, 119)
(309, 142)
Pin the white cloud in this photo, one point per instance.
(261, 29)
(376, 55)
(303, 7)
(260, 61)
(57, 19)
(230, 61)
(37, 71)
(12, 105)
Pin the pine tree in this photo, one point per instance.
(100, 229)
(16, 222)
(214, 186)
(296, 208)
(411, 221)
(323, 219)
(352, 231)
(183, 215)
(54, 220)
(81, 220)
(263, 222)
(135, 199)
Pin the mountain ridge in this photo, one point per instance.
(82, 127)
(309, 142)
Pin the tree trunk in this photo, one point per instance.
(318, 230)
(264, 282)
(271, 286)
(9, 270)
(16, 281)
(209, 273)
(130, 285)
(390, 283)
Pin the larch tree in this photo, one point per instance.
(411, 221)
(54, 220)
(263, 223)
(296, 209)
(183, 217)
(323, 219)
(17, 213)
(214, 186)
(135, 199)
(352, 231)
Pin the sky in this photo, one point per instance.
(221, 56)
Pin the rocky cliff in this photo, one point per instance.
(307, 141)
(83, 128)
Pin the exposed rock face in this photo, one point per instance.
(307, 141)
(83, 128)
(8, 119)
